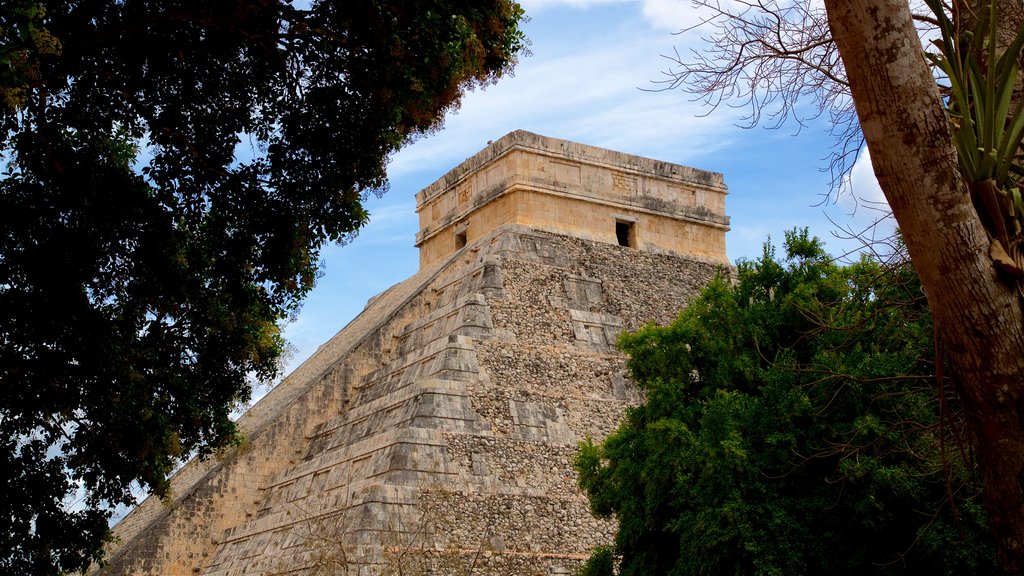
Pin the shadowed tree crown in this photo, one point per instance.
(794, 423)
(171, 171)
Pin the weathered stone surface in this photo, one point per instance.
(570, 188)
(436, 432)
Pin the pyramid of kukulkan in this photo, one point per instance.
(435, 433)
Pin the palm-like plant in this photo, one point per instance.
(986, 133)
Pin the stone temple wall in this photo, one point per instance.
(575, 189)
(441, 441)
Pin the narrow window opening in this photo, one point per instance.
(460, 239)
(624, 234)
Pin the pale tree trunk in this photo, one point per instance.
(980, 317)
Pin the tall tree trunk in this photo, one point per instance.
(979, 316)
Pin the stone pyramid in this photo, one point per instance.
(435, 433)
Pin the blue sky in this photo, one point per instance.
(584, 82)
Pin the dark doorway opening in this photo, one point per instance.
(460, 239)
(624, 234)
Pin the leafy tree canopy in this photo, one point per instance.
(170, 173)
(793, 424)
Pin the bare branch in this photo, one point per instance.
(776, 60)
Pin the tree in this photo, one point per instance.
(170, 173)
(978, 311)
(791, 426)
(977, 306)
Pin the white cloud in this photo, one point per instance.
(534, 6)
(592, 92)
(672, 15)
(386, 216)
(864, 192)
(678, 15)
(866, 211)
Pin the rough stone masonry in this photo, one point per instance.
(435, 433)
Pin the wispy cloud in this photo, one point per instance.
(596, 92)
(538, 6)
(392, 215)
(679, 15)
(862, 200)
(672, 15)
(862, 193)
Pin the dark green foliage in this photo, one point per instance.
(793, 424)
(600, 563)
(140, 292)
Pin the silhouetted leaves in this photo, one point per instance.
(171, 171)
